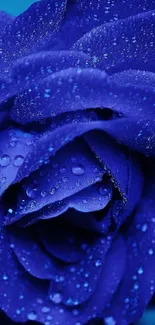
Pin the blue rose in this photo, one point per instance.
(77, 176)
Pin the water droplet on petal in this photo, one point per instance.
(150, 251)
(103, 191)
(18, 160)
(140, 270)
(32, 315)
(45, 309)
(10, 211)
(4, 160)
(110, 321)
(98, 263)
(56, 298)
(31, 191)
(144, 227)
(5, 277)
(43, 193)
(18, 312)
(78, 170)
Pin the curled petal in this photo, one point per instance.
(121, 45)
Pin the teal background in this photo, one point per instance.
(15, 7)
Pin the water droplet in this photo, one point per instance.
(52, 191)
(29, 142)
(3, 180)
(140, 270)
(150, 251)
(98, 263)
(45, 309)
(50, 149)
(43, 193)
(75, 312)
(65, 179)
(136, 286)
(18, 160)
(62, 170)
(18, 312)
(4, 160)
(31, 191)
(144, 227)
(78, 170)
(110, 321)
(56, 298)
(103, 191)
(10, 211)
(32, 315)
(86, 284)
(5, 277)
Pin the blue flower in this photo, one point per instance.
(77, 176)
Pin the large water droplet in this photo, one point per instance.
(31, 191)
(32, 315)
(18, 160)
(4, 160)
(78, 170)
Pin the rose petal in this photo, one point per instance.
(122, 166)
(31, 30)
(63, 241)
(60, 179)
(79, 89)
(125, 44)
(137, 285)
(81, 278)
(88, 15)
(5, 19)
(31, 256)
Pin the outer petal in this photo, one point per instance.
(80, 89)
(88, 15)
(5, 19)
(137, 285)
(126, 44)
(26, 34)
